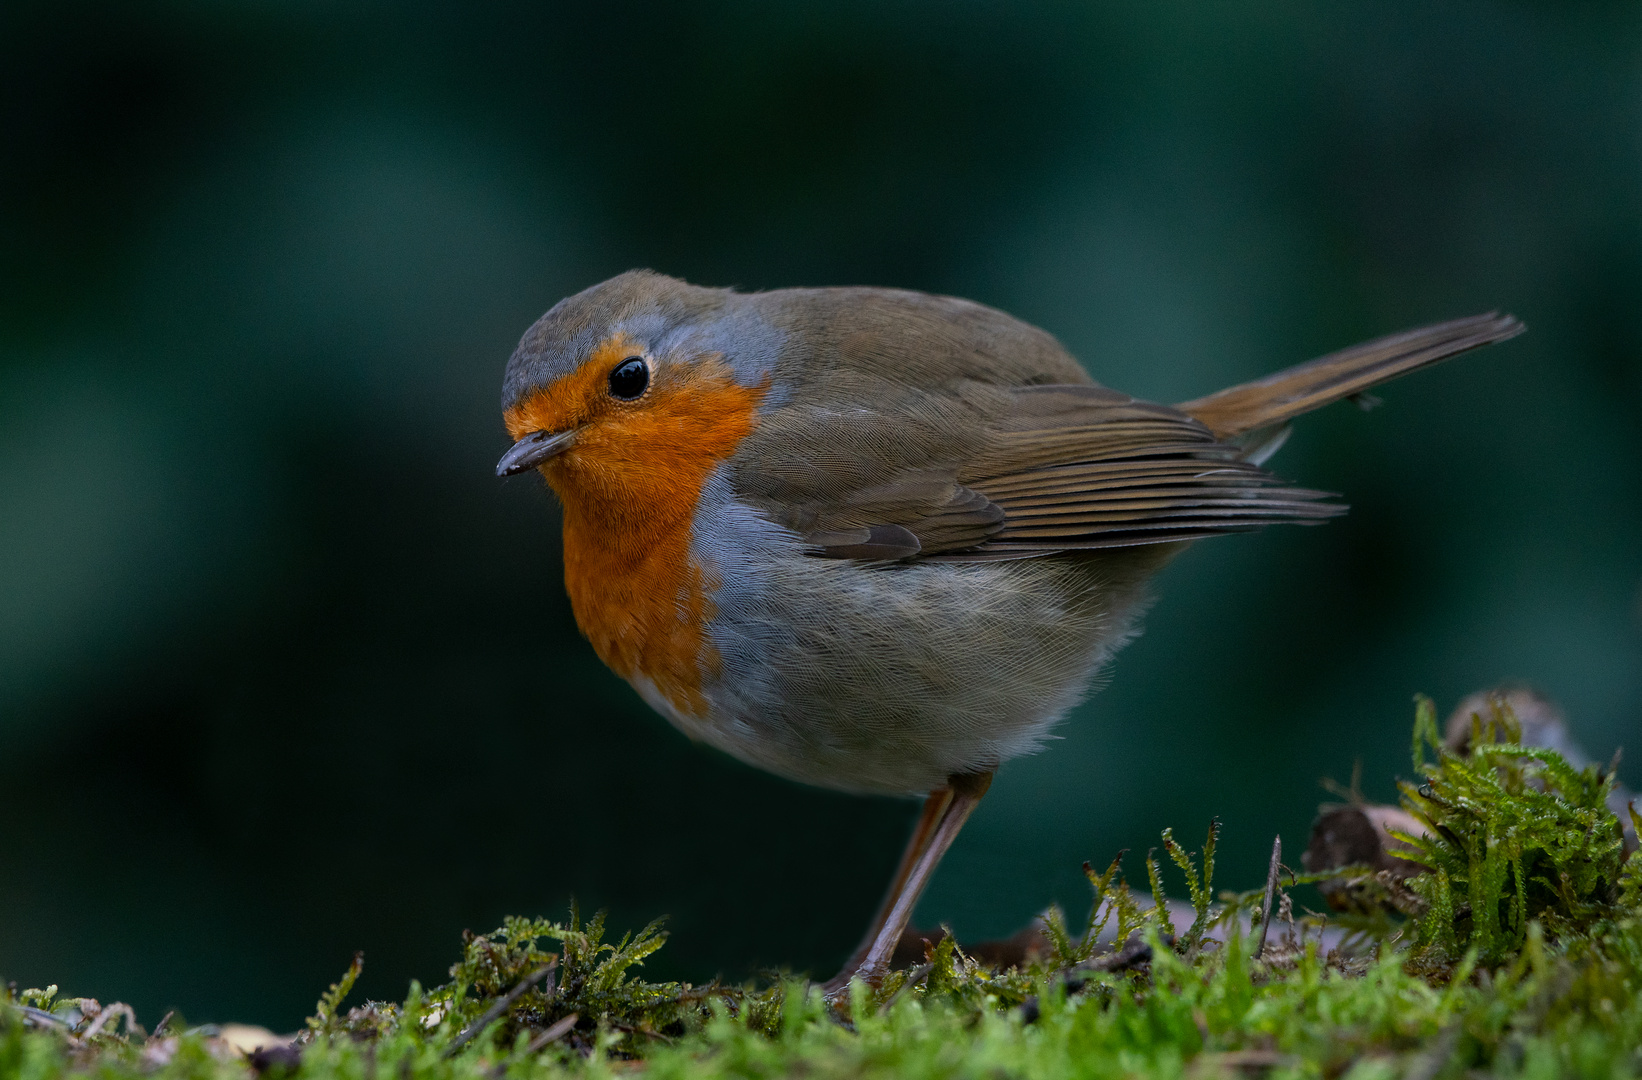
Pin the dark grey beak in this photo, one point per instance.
(534, 449)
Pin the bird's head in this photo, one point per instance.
(626, 395)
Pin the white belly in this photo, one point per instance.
(890, 679)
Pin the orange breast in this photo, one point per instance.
(630, 486)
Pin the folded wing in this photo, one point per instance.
(1084, 467)
(970, 470)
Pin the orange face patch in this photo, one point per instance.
(629, 485)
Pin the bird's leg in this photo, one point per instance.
(944, 815)
(934, 806)
(967, 790)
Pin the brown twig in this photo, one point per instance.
(41, 1018)
(1271, 895)
(559, 1029)
(110, 1011)
(1132, 954)
(502, 1005)
(916, 975)
(164, 1020)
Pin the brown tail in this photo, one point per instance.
(1327, 379)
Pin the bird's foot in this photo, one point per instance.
(836, 990)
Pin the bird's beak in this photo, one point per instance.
(534, 449)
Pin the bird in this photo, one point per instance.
(878, 540)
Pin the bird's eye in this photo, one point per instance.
(629, 379)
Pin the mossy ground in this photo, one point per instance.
(1520, 955)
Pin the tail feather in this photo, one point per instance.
(1287, 394)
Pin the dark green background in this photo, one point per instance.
(284, 670)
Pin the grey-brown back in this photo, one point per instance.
(905, 426)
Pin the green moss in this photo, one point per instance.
(1513, 835)
(1523, 958)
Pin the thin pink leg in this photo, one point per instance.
(918, 867)
(930, 817)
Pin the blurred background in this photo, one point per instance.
(285, 671)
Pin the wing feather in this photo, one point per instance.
(932, 429)
(1084, 468)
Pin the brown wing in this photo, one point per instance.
(1084, 467)
(921, 512)
(1044, 469)
(880, 398)
(918, 514)
(926, 427)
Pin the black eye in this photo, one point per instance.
(629, 379)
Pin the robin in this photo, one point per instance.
(880, 541)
